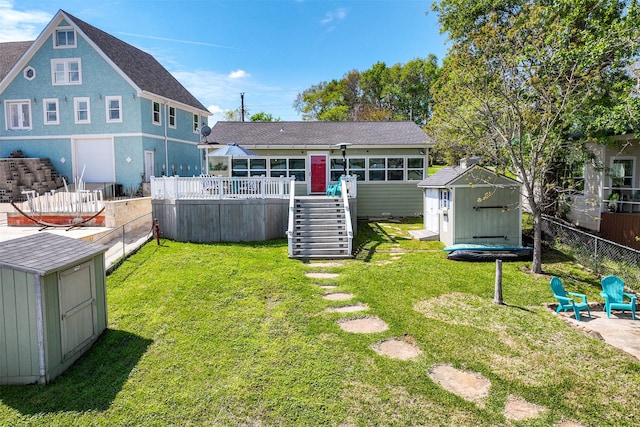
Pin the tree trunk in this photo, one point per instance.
(536, 264)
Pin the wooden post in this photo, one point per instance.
(497, 295)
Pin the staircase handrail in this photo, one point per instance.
(292, 207)
(347, 215)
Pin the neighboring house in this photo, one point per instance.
(606, 196)
(97, 107)
(389, 159)
(471, 204)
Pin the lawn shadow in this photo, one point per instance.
(90, 384)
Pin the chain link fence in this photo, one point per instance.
(126, 239)
(602, 256)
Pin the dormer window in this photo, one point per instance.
(64, 38)
(29, 73)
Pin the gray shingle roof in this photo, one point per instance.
(10, 53)
(442, 177)
(276, 134)
(142, 68)
(43, 253)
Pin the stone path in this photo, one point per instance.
(471, 386)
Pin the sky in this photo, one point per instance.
(270, 50)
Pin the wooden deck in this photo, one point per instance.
(622, 228)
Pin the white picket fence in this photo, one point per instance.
(79, 201)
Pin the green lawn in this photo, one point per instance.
(236, 334)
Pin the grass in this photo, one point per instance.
(236, 334)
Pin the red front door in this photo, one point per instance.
(318, 173)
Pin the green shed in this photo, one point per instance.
(52, 305)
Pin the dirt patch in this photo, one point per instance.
(324, 264)
(322, 275)
(397, 349)
(364, 325)
(338, 296)
(470, 386)
(518, 409)
(348, 308)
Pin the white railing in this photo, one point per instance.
(628, 199)
(79, 201)
(347, 210)
(291, 223)
(221, 187)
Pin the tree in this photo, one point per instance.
(263, 117)
(522, 75)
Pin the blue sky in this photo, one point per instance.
(269, 49)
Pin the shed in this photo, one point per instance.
(52, 305)
(474, 205)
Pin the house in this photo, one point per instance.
(97, 107)
(388, 158)
(605, 195)
(471, 204)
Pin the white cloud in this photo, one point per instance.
(21, 25)
(335, 15)
(238, 74)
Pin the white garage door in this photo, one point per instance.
(95, 156)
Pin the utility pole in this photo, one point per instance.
(242, 106)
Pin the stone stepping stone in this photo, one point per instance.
(338, 296)
(471, 386)
(348, 309)
(397, 349)
(518, 409)
(324, 264)
(322, 275)
(364, 325)
(328, 287)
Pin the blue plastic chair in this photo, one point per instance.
(335, 189)
(565, 302)
(614, 296)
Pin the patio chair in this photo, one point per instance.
(335, 189)
(614, 296)
(565, 302)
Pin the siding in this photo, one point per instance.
(403, 199)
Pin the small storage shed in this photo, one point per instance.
(52, 305)
(472, 204)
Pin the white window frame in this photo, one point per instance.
(108, 109)
(444, 196)
(19, 103)
(65, 30)
(66, 71)
(77, 110)
(45, 111)
(196, 123)
(627, 176)
(172, 117)
(25, 73)
(153, 113)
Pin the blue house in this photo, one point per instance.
(97, 107)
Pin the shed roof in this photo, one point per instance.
(448, 176)
(44, 253)
(283, 134)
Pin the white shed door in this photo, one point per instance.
(77, 307)
(95, 158)
(432, 210)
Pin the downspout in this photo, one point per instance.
(40, 330)
(166, 140)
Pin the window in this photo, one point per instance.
(336, 166)
(287, 168)
(29, 73)
(82, 110)
(66, 71)
(357, 167)
(383, 169)
(622, 172)
(196, 123)
(65, 38)
(445, 199)
(415, 168)
(51, 116)
(573, 177)
(156, 114)
(114, 109)
(172, 117)
(18, 114)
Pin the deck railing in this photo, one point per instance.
(628, 199)
(221, 187)
(347, 211)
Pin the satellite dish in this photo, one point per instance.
(205, 130)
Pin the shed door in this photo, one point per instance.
(77, 307)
